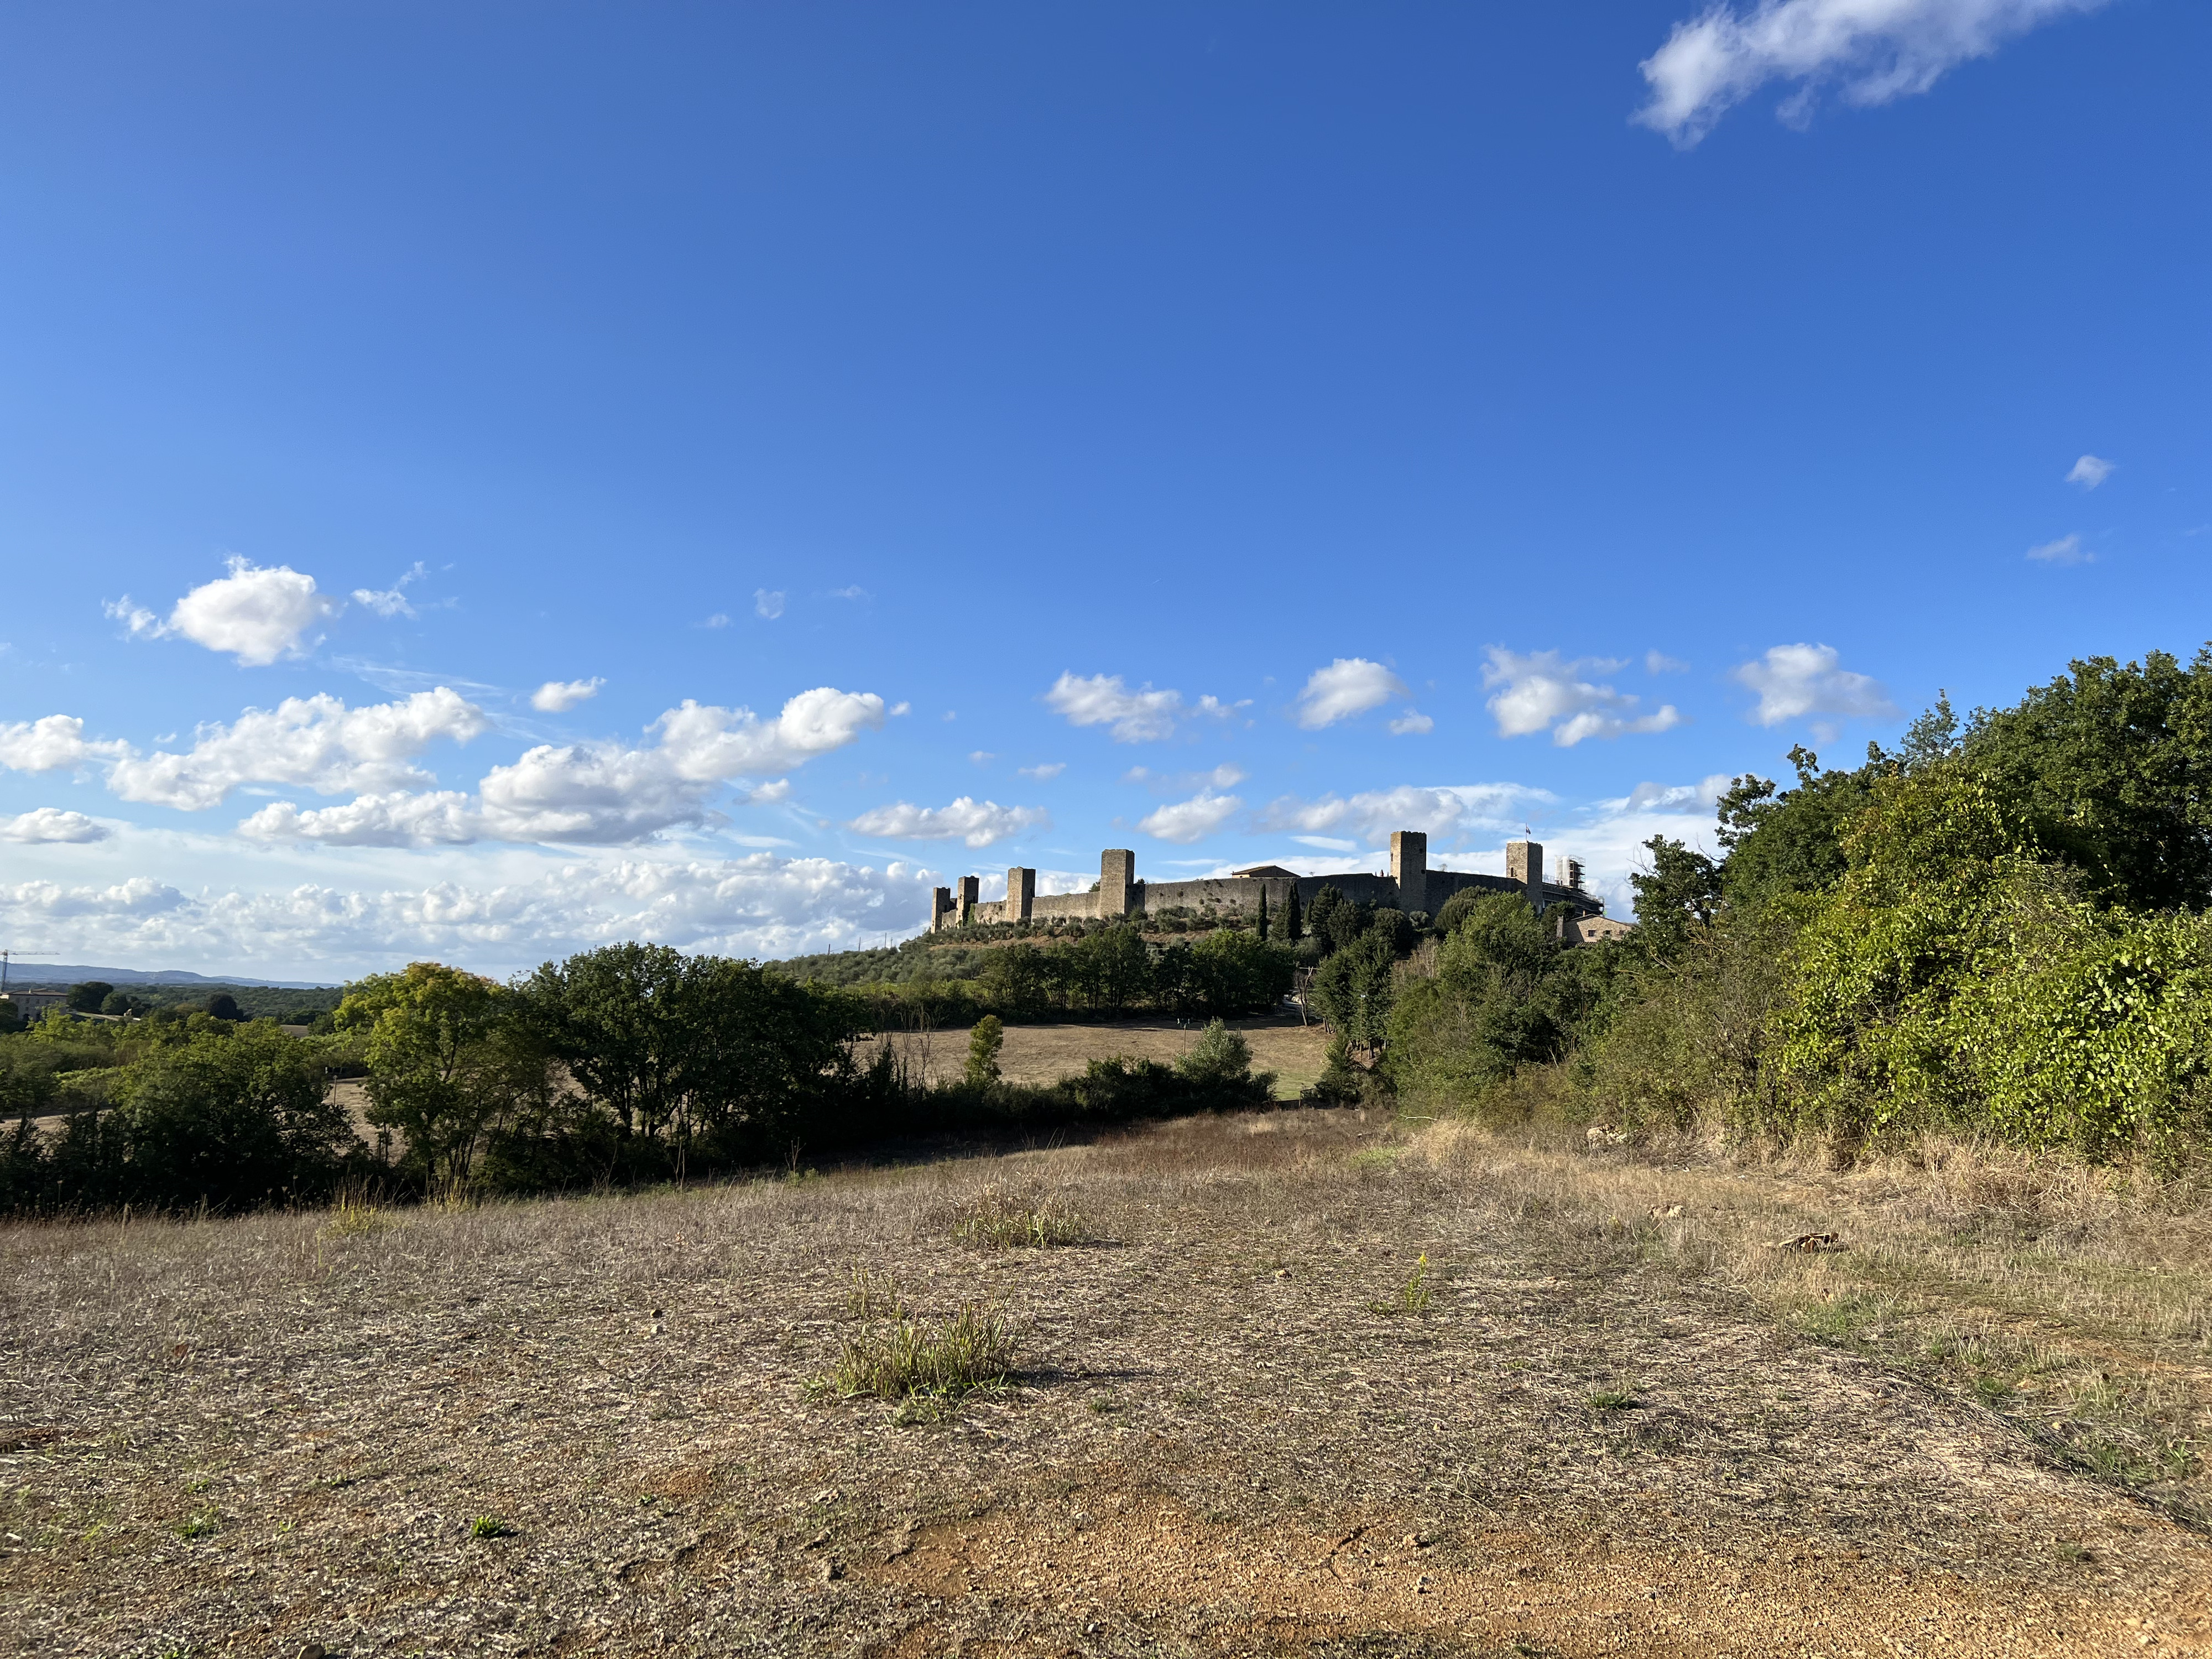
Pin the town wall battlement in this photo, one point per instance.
(1410, 886)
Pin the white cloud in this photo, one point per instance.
(53, 743)
(768, 603)
(1227, 775)
(2090, 471)
(1702, 795)
(1450, 810)
(1348, 686)
(315, 743)
(1412, 724)
(2067, 550)
(1876, 50)
(51, 824)
(257, 613)
(855, 592)
(982, 756)
(1185, 821)
(720, 619)
(1141, 716)
(391, 601)
(603, 793)
(1658, 662)
(1795, 680)
(1538, 691)
(976, 823)
(556, 697)
(1327, 843)
(1043, 773)
(761, 905)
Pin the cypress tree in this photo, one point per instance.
(1263, 913)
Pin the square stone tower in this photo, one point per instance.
(1021, 894)
(969, 886)
(1524, 863)
(1409, 868)
(1117, 874)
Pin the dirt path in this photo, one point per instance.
(1235, 1434)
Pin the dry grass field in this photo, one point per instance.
(1295, 1053)
(1290, 1383)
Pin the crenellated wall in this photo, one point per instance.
(1411, 886)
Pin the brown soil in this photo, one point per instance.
(1234, 1433)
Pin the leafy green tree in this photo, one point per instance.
(1676, 899)
(984, 1044)
(448, 1064)
(1324, 906)
(232, 1120)
(1791, 840)
(1232, 972)
(2112, 767)
(1017, 979)
(86, 997)
(223, 1005)
(1353, 989)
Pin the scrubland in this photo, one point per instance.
(1297, 1381)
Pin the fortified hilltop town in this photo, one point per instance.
(1411, 886)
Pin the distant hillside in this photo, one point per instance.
(899, 966)
(33, 975)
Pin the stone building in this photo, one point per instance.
(1411, 885)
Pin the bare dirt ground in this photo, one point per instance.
(1295, 1053)
(1234, 1432)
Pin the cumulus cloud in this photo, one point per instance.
(315, 743)
(1348, 686)
(604, 793)
(51, 824)
(2090, 471)
(1186, 821)
(1658, 662)
(52, 743)
(1793, 681)
(762, 905)
(2067, 550)
(768, 603)
(391, 601)
(1538, 691)
(1141, 716)
(1412, 724)
(1043, 773)
(1875, 49)
(556, 696)
(257, 613)
(1446, 810)
(976, 823)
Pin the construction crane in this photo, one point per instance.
(8, 955)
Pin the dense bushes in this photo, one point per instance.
(1995, 930)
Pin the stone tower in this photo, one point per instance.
(1117, 874)
(1409, 868)
(1524, 863)
(1021, 894)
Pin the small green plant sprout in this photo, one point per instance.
(1414, 1296)
(996, 1220)
(983, 1045)
(1104, 1404)
(1610, 1400)
(976, 1350)
(873, 1296)
(200, 1524)
(490, 1526)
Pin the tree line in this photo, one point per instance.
(631, 1063)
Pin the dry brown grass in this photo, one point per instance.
(1045, 1053)
(1232, 1431)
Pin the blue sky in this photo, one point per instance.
(481, 481)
